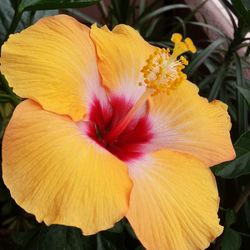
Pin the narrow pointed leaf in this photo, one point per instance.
(242, 106)
(245, 93)
(161, 10)
(239, 166)
(218, 83)
(55, 4)
(201, 56)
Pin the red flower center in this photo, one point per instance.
(130, 143)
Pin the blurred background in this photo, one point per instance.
(221, 69)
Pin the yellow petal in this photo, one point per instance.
(54, 172)
(122, 53)
(52, 62)
(184, 121)
(174, 202)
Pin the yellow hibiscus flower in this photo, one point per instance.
(112, 128)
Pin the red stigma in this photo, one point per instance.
(130, 144)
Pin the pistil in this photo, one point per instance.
(114, 133)
(162, 73)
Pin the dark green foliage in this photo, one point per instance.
(54, 238)
(57, 237)
(241, 9)
(14, 15)
(239, 166)
(7, 13)
(245, 93)
(231, 239)
(202, 55)
(58, 4)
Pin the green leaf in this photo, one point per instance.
(202, 55)
(242, 12)
(180, 25)
(55, 4)
(23, 238)
(230, 217)
(151, 27)
(239, 166)
(188, 17)
(247, 212)
(207, 26)
(142, 6)
(129, 229)
(242, 106)
(218, 82)
(110, 241)
(7, 91)
(211, 65)
(117, 228)
(140, 248)
(7, 13)
(206, 81)
(231, 240)
(161, 10)
(120, 9)
(245, 93)
(55, 237)
(4, 192)
(246, 4)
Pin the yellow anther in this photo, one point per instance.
(190, 45)
(184, 60)
(163, 70)
(160, 60)
(161, 73)
(176, 38)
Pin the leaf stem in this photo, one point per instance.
(103, 10)
(242, 199)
